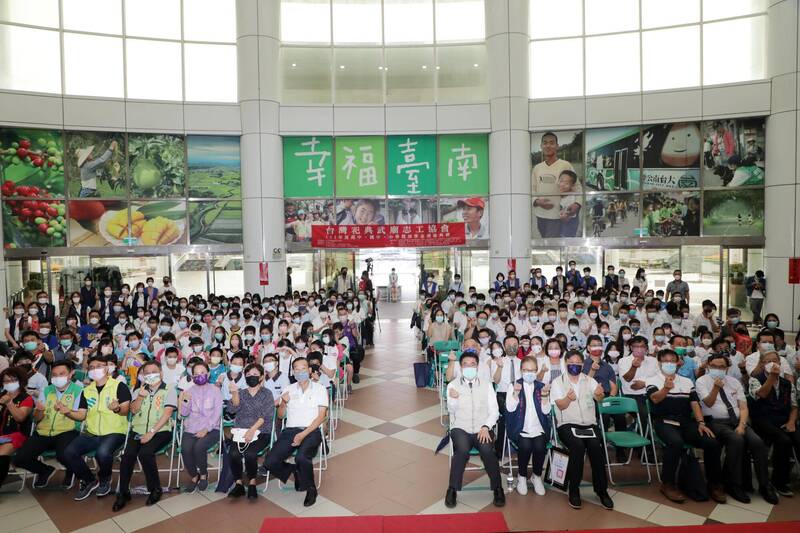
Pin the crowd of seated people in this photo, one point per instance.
(538, 356)
(128, 376)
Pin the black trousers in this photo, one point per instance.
(27, 457)
(146, 453)
(531, 447)
(578, 448)
(782, 443)
(735, 447)
(249, 456)
(356, 357)
(674, 437)
(463, 442)
(501, 424)
(282, 449)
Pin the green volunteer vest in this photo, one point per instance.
(100, 420)
(150, 411)
(53, 422)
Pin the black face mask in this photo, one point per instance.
(548, 332)
(252, 381)
(314, 368)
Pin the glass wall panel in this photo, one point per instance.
(717, 9)
(410, 75)
(555, 19)
(190, 273)
(460, 21)
(591, 256)
(608, 16)
(302, 266)
(658, 263)
(141, 22)
(228, 271)
(671, 58)
(407, 21)
(462, 74)
(359, 75)
(149, 79)
(67, 275)
(17, 71)
(547, 259)
(745, 56)
(24, 278)
(357, 22)
(98, 16)
(209, 20)
(478, 273)
(83, 76)
(210, 73)
(115, 271)
(306, 21)
(332, 263)
(33, 12)
(612, 64)
(568, 55)
(701, 267)
(658, 13)
(306, 75)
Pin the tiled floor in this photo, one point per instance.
(382, 462)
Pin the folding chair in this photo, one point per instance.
(617, 405)
(214, 448)
(322, 463)
(168, 447)
(472, 453)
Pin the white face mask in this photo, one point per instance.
(97, 373)
(60, 381)
(269, 366)
(12, 386)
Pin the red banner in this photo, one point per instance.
(263, 273)
(390, 235)
(794, 270)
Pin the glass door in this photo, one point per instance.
(332, 263)
(741, 263)
(66, 276)
(25, 278)
(702, 267)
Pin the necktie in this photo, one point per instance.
(728, 406)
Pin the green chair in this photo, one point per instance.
(619, 405)
(654, 439)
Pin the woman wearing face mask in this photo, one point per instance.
(528, 424)
(152, 407)
(575, 394)
(77, 310)
(219, 339)
(15, 420)
(201, 409)
(773, 414)
(173, 367)
(554, 365)
(17, 323)
(254, 408)
(216, 364)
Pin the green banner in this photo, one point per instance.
(360, 166)
(308, 167)
(412, 165)
(464, 164)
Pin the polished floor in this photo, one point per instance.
(382, 463)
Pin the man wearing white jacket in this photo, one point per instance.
(472, 404)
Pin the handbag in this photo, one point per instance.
(237, 434)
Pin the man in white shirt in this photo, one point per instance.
(765, 342)
(305, 405)
(473, 409)
(505, 372)
(722, 398)
(635, 369)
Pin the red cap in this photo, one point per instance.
(472, 202)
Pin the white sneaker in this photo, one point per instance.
(522, 486)
(538, 485)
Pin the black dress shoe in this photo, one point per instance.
(122, 499)
(311, 497)
(769, 494)
(575, 500)
(450, 498)
(738, 494)
(154, 497)
(605, 500)
(237, 491)
(356, 379)
(499, 497)
(252, 492)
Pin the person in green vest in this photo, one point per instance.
(104, 406)
(152, 408)
(54, 427)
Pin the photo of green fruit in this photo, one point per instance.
(33, 223)
(95, 164)
(33, 162)
(218, 222)
(156, 165)
(214, 166)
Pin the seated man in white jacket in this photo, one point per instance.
(472, 404)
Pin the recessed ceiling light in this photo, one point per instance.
(424, 67)
(294, 64)
(341, 67)
(475, 65)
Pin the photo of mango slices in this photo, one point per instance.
(159, 231)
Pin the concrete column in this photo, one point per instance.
(509, 140)
(258, 49)
(783, 149)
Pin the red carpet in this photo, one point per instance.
(476, 523)
(455, 523)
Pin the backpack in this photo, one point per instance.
(690, 478)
